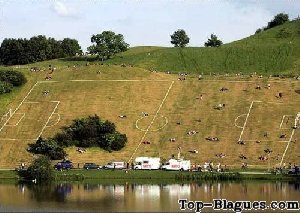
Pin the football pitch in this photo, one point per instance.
(180, 114)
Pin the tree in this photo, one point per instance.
(41, 170)
(37, 48)
(107, 44)
(213, 41)
(179, 38)
(279, 19)
(70, 47)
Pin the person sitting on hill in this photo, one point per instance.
(192, 132)
(241, 142)
(268, 150)
(242, 156)
(172, 140)
(194, 151)
(212, 138)
(282, 136)
(145, 114)
(146, 142)
(223, 89)
(244, 165)
(280, 95)
(46, 92)
(219, 106)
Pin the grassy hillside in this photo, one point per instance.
(109, 91)
(275, 51)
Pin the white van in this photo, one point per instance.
(148, 163)
(115, 165)
(173, 164)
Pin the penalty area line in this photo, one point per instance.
(57, 103)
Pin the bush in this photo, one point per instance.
(5, 87)
(15, 78)
(89, 132)
(48, 148)
(41, 170)
(84, 132)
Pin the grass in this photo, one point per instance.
(109, 99)
(265, 53)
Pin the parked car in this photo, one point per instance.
(91, 166)
(66, 164)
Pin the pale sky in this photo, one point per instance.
(142, 22)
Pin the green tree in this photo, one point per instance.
(41, 170)
(213, 41)
(279, 19)
(107, 44)
(70, 47)
(179, 38)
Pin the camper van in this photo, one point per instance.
(173, 164)
(115, 165)
(148, 163)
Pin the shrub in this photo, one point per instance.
(48, 148)
(89, 132)
(15, 78)
(41, 170)
(5, 87)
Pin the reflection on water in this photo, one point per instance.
(137, 197)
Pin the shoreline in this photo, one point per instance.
(156, 175)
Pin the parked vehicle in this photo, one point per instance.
(91, 166)
(148, 163)
(294, 171)
(115, 165)
(173, 164)
(66, 164)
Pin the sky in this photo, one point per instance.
(142, 22)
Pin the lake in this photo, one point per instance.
(137, 197)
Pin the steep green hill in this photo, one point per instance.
(275, 51)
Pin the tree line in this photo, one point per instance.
(84, 132)
(38, 48)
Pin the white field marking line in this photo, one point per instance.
(265, 141)
(56, 121)
(19, 120)
(57, 103)
(19, 106)
(133, 80)
(31, 102)
(50, 82)
(287, 146)
(155, 130)
(242, 132)
(16, 139)
(283, 120)
(147, 130)
(237, 119)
